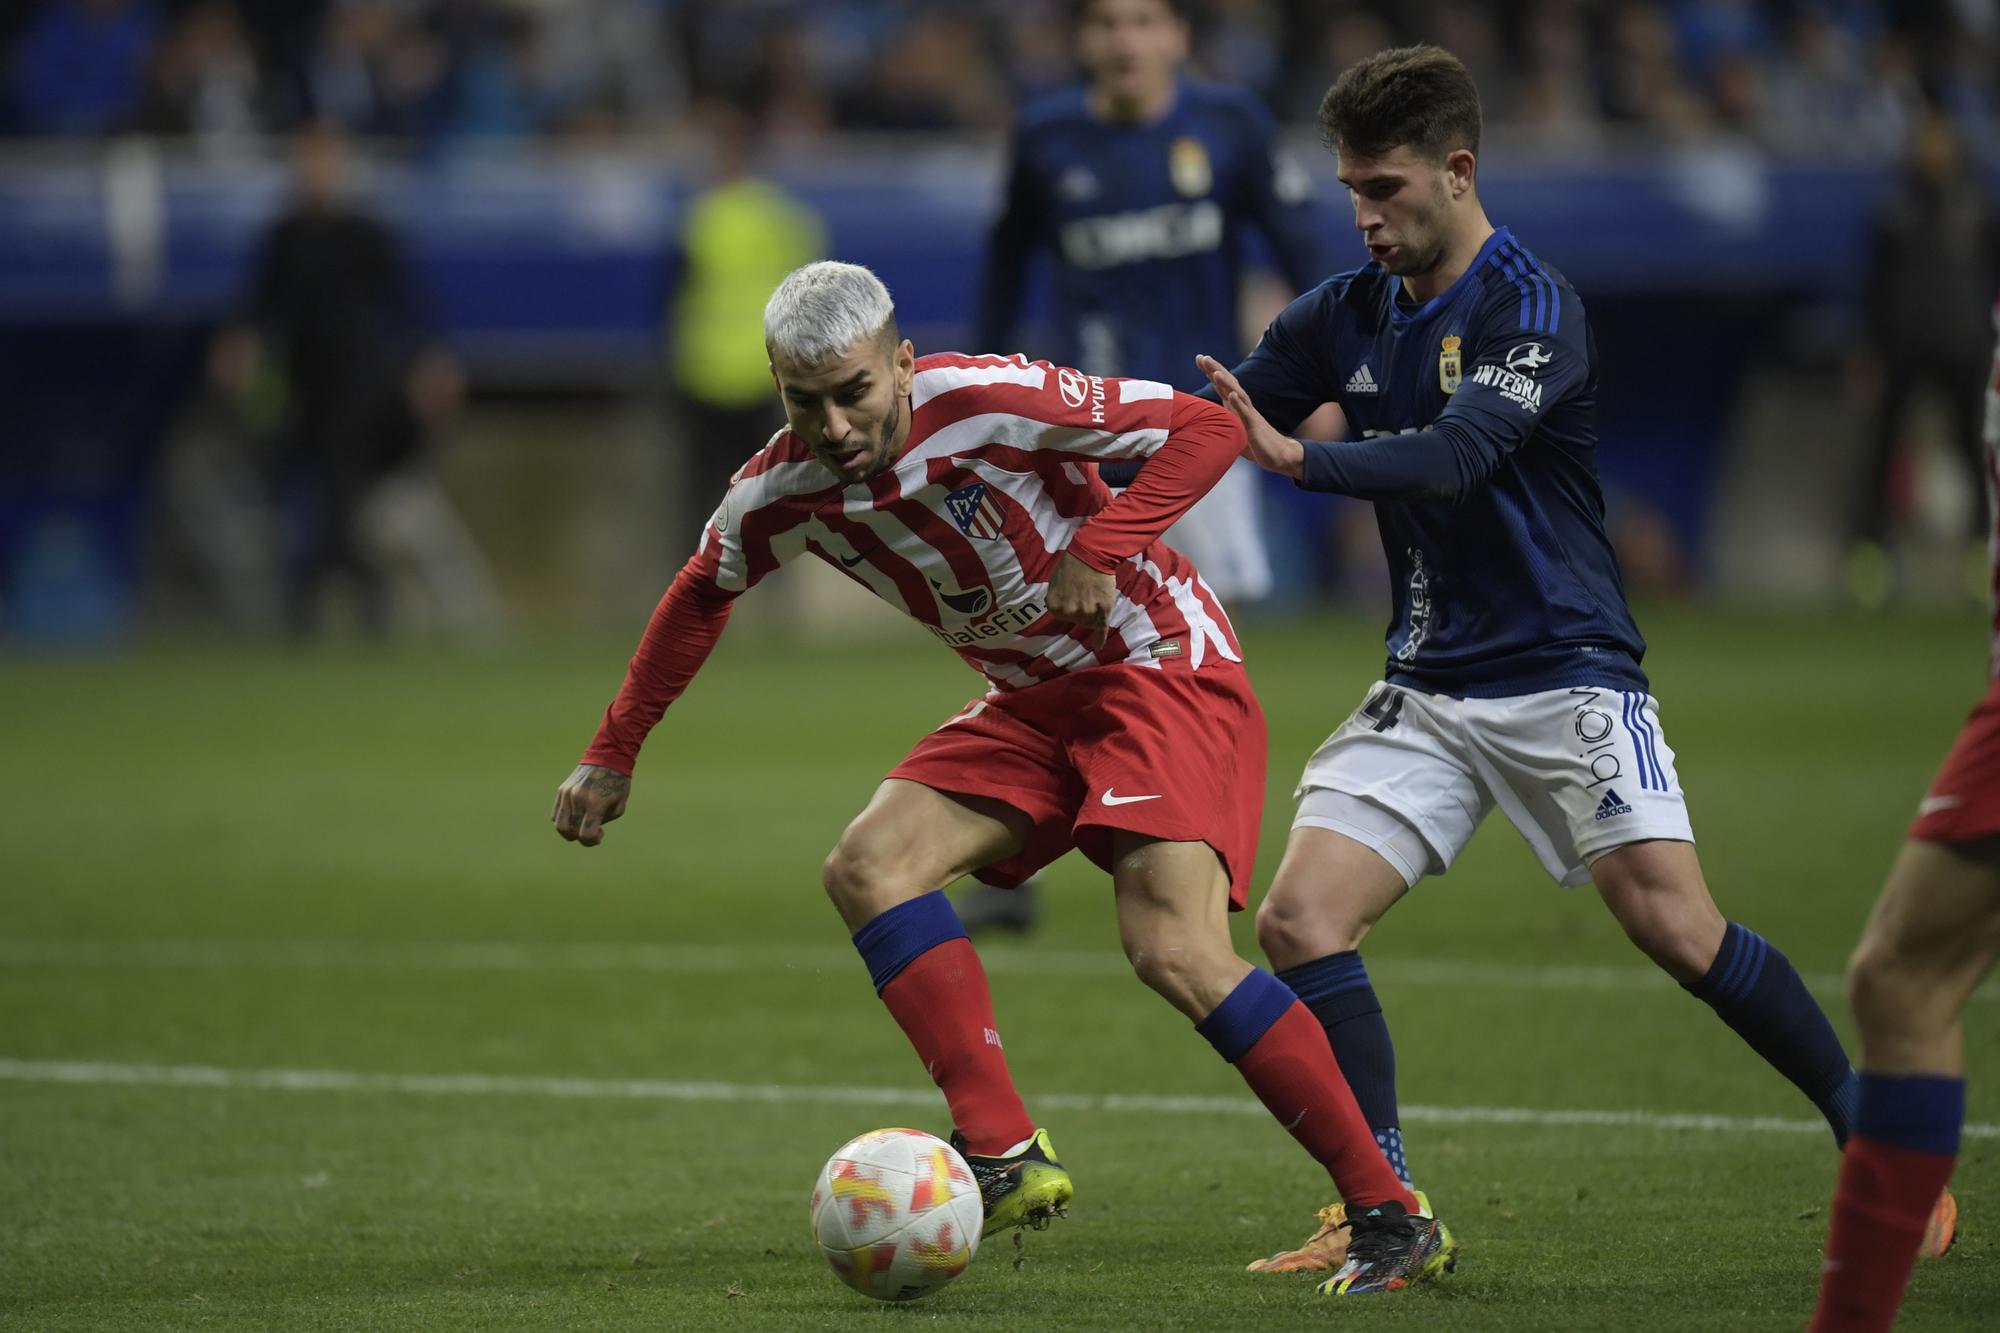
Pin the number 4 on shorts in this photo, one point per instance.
(1385, 707)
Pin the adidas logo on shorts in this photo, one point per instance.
(1612, 804)
(1361, 381)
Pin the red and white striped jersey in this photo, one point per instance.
(964, 529)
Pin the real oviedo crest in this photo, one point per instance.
(1450, 367)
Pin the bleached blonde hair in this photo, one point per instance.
(821, 310)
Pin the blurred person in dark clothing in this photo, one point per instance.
(1934, 255)
(333, 311)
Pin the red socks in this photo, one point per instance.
(1880, 1208)
(944, 1007)
(1292, 1070)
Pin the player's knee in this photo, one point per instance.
(1294, 927)
(1683, 945)
(1177, 964)
(1672, 920)
(855, 875)
(1882, 988)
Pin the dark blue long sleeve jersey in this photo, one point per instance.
(1476, 414)
(1145, 227)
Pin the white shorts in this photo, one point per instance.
(1579, 772)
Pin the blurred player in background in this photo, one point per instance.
(740, 235)
(336, 330)
(1142, 187)
(1932, 258)
(1931, 939)
(1117, 719)
(1467, 369)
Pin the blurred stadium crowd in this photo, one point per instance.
(1812, 75)
(516, 228)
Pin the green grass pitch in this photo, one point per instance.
(253, 861)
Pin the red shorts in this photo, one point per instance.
(1963, 804)
(1170, 754)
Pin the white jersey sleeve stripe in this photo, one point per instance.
(1023, 433)
(748, 496)
(1137, 391)
(928, 384)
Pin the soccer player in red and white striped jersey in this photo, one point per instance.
(1117, 717)
(1932, 938)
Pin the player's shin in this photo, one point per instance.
(1282, 1053)
(928, 974)
(1755, 989)
(1891, 1172)
(1337, 990)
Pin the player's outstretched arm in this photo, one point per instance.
(1264, 444)
(592, 797)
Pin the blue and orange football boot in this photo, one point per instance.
(1389, 1249)
(1326, 1249)
(1941, 1230)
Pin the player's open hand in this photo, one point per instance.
(1082, 596)
(1264, 446)
(591, 798)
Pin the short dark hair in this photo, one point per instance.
(1079, 10)
(1420, 96)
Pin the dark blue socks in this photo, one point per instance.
(1337, 990)
(1922, 1112)
(1754, 988)
(898, 937)
(1246, 1014)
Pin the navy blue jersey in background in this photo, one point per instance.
(1144, 225)
(1475, 425)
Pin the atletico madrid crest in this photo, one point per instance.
(975, 511)
(1449, 366)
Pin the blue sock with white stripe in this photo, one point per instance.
(1337, 990)
(1754, 988)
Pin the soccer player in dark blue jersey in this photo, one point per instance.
(1467, 375)
(1142, 188)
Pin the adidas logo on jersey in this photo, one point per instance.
(1362, 381)
(1612, 804)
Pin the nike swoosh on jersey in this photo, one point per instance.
(852, 563)
(1112, 798)
(1930, 805)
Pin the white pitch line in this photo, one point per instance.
(719, 959)
(97, 1073)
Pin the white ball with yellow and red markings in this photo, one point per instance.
(897, 1214)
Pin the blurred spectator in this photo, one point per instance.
(503, 85)
(1555, 102)
(1243, 44)
(80, 66)
(374, 74)
(340, 338)
(1643, 79)
(205, 83)
(1817, 90)
(1814, 74)
(1934, 258)
(741, 235)
(931, 75)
